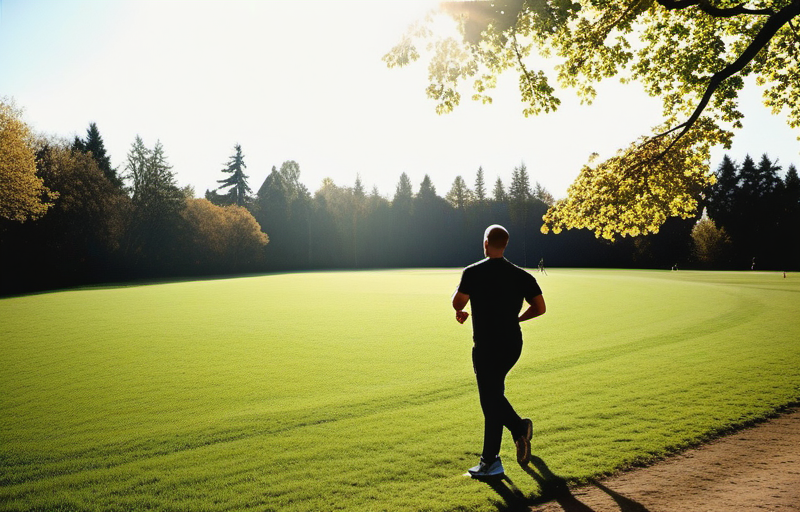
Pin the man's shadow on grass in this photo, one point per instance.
(553, 488)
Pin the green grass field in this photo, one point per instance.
(354, 390)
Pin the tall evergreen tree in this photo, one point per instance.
(157, 202)
(789, 223)
(358, 189)
(403, 194)
(426, 189)
(499, 192)
(94, 144)
(239, 191)
(519, 195)
(722, 196)
(542, 194)
(480, 186)
(520, 190)
(460, 195)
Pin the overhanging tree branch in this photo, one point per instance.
(774, 23)
(720, 12)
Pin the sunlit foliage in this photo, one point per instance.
(637, 190)
(709, 241)
(690, 53)
(23, 195)
(223, 234)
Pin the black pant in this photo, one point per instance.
(492, 362)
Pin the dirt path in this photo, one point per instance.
(752, 470)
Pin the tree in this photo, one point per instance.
(542, 194)
(154, 188)
(290, 171)
(23, 195)
(82, 233)
(94, 145)
(519, 197)
(710, 243)
(520, 190)
(426, 189)
(223, 238)
(460, 195)
(789, 222)
(722, 194)
(403, 194)
(698, 81)
(157, 202)
(499, 192)
(239, 193)
(480, 187)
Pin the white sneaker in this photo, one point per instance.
(485, 469)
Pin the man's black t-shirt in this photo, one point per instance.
(496, 289)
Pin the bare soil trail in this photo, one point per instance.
(754, 469)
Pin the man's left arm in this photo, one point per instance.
(536, 307)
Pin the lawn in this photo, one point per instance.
(354, 390)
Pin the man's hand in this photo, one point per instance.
(462, 316)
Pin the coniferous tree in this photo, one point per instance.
(789, 228)
(426, 189)
(520, 191)
(239, 191)
(403, 194)
(721, 200)
(157, 202)
(499, 192)
(480, 186)
(359, 208)
(460, 195)
(94, 144)
(541, 193)
(519, 196)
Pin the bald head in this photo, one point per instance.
(495, 240)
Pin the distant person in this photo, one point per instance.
(541, 267)
(496, 288)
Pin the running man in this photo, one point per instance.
(496, 288)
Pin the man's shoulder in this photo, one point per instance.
(475, 265)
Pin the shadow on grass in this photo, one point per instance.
(553, 488)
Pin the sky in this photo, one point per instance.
(304, 81)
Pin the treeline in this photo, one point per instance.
(753, 217)
(100, 224)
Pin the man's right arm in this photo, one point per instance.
(459, 303)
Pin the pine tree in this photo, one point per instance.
(723, 194)
(403, 193)
(480, 186)
(239, 192)
(460, 195)
(520, 195)
(499, 192)
(94, 144)
(520, 190)
(542, 194)
(358, 189)
(426, 189)
(157, 203)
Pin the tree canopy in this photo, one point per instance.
(693, 54)
(238, 189)
(23, 195)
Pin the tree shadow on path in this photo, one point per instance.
(553, 488)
